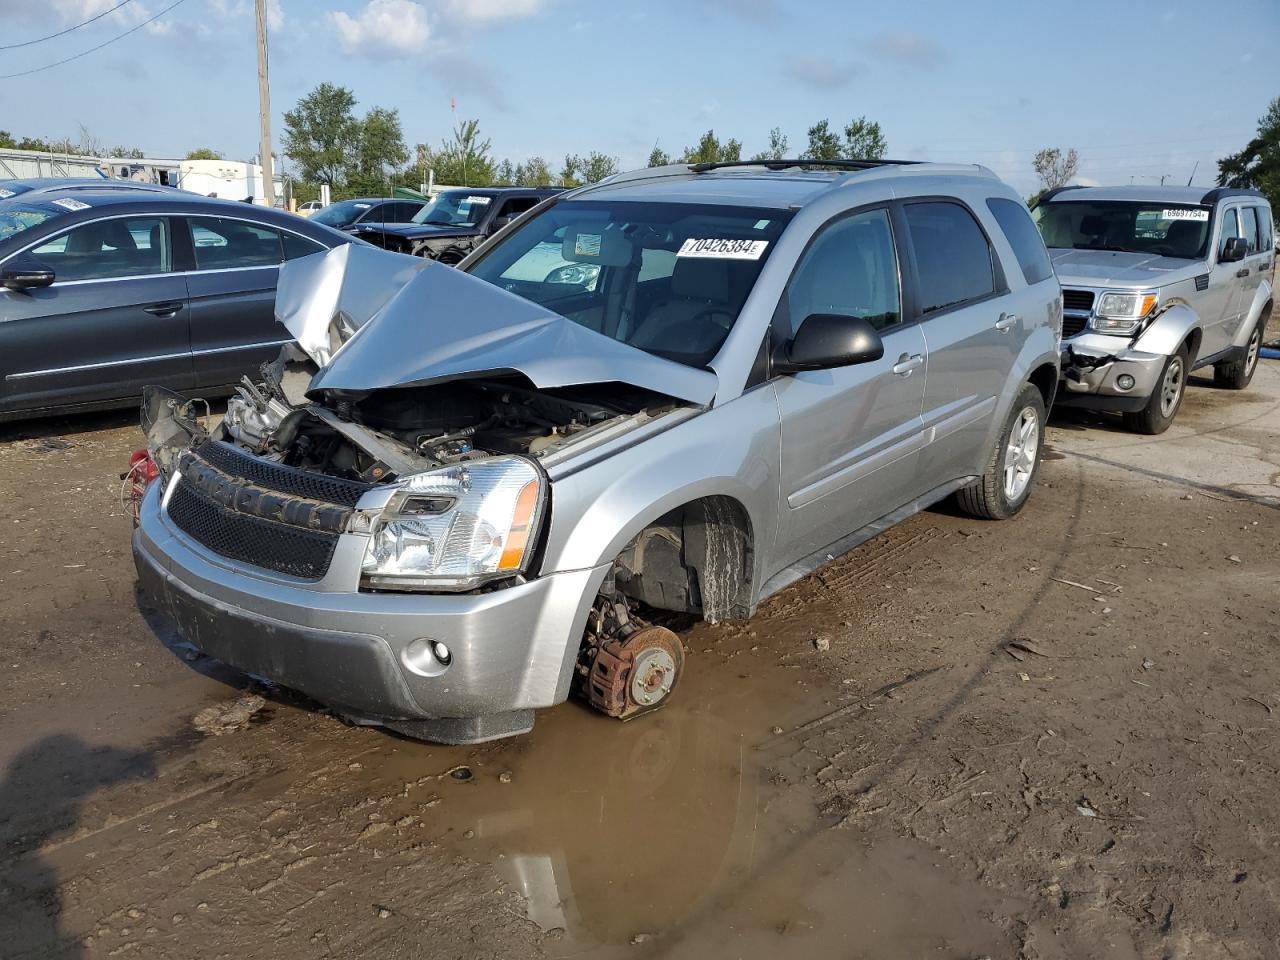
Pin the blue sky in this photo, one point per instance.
(1141, 88)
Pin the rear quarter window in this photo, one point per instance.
(1028, 247)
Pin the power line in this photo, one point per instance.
(58, 63)
(60, 33)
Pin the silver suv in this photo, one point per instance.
(454, 500)
(1157, 282)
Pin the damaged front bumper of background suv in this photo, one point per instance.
(365, 524)
(1106, 372)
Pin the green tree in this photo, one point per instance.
(658, 157)
(1258, 164)
(864, 140)
(381, 148)
(534, 172)
(570, 172)
(1055, 168)
(465, 159)
(777, 149)
(709, 149)
(204, 153)
(7, 142)
(597, 166)
(505, 174)
(321, 133)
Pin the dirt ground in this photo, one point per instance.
(1054, 737)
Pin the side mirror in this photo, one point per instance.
(499, 223)
(827, 340)
(1235, 249)
(25, 273)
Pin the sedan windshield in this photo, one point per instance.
(14, 219)
(1159, 229)
(459, 208)
(669, 278)
(341, 214)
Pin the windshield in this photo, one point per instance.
(15, 219)
(455, 207)
(341, 214)
(1160, 229)
(669, 278)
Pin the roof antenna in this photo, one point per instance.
(1193, 173)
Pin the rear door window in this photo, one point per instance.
(296, 246)
(224, 244)
(109, 249)
(1018, 228)
(953, 258)
(1249, 228)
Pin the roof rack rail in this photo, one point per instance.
(851, 164)
(1221, 193)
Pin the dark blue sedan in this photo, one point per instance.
(103, 292)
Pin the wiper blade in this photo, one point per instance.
(1103, 246)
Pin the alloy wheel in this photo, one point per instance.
(1020, 453)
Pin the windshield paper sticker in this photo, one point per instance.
(68, 204)
(720, 249)
(477, 199)
(587, 245)
(1185, 214)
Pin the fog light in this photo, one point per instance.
(1125, 381)
(442, 652)
(426, 657)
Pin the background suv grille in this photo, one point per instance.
(1079, 303)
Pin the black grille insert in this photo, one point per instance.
(264, 543)
(282, 479)
(1073, 326)
(1077, 299)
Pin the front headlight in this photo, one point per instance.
(1123, 313)
(455, 528)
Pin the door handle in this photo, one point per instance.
(1006, 322)
(165, 310)
(906, 363)
(1243, 272)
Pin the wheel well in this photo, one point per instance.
(1192, 343)
(696, 558)
(1045, 379)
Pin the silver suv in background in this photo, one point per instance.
(682, 389)
(1157, 282)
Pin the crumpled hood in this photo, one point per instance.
(374, 319)
(1111, 268)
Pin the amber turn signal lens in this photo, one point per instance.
(521, 526)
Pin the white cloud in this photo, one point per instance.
(397, 28)
(908, 47)
(490, 11)
(821, 73)
(234, 9)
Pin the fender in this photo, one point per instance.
(1040, 349)
(1168, 331)
(1262, 300)
(729, 450)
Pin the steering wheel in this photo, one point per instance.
(711, 312)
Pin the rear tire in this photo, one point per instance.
(1165, 401)
(1236, 374)
(1006, 483)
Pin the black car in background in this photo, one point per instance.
(350, 215)
(455, 222)
(104, 291)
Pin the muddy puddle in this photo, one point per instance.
(687, 832)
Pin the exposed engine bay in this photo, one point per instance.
(390, 433)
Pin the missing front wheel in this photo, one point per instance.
(626, 666)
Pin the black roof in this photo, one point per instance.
(502, 191)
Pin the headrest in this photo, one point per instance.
(1184, 236)
(1092, 225)
(596, 243)
(697, 279)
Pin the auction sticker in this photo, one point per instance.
(1184, 214)
(6, 194)
(66, 203)
(587, 245)
(721, 249)
(477, 199)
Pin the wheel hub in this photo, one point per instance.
(627, 668)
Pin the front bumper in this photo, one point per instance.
(513, 649)
(1092, 365)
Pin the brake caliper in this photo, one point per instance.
(626, 667)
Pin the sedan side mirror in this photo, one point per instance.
(25, 273)
(1235, 249)
(827, 340)
(499, 223)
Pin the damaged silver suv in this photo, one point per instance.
(1157, 282)
(457, 497)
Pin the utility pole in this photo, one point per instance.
(264, 110)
